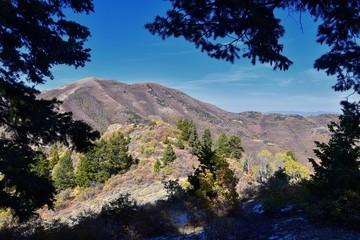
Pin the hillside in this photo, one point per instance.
(101, 103)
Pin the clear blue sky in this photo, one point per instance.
(123, 50)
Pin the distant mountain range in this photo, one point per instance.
(102, 103)
(318, 113)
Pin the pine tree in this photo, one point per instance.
(255, 31)
(229, 147)
(41, 165)
(180, 144)
(339, 167)
(169, 155)
(85, 172)
(194, 141)
(115, 154)
(63, 174)
(234, 147)
(207, 140)
(221, 145)
(108, 157)
(184, 126)
(206, 152)
(213, 181)
(54, 155)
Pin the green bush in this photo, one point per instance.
(157, 166)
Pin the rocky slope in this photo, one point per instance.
(101, 103)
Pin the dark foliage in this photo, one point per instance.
(121, 218)
(335, 190)
(235, 29)
(339, 167)
(213, 182)
(205, 22)
(34, 36)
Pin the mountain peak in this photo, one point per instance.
(101, 102)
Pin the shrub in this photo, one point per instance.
(278, 192)
(157, 166)
(169, 155)
(345, 210)
(63, 199)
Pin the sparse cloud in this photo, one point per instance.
(253, 76)
(174, 53)
(285, 82)
(135, 60)
(236, 76)
(313, 76)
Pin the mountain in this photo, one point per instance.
(102, 103)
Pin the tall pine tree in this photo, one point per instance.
(63, 173)
(339, 167)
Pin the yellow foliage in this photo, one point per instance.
(265, 154)
(6, 218)
(296, 171)
(293, 169)
(207, 186)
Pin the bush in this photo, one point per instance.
(279, 193)
(157, 166)
(64, 198)
(345, 210)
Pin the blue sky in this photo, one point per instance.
(123, 50)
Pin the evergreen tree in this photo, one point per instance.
(54, 155)
(108, 157)
(206, 148)
(35, 36)
(229, 147)
(183, 125)
(235, 148)
(221, 145)
(180, 144)
(85, 172)
(169, 155)
(207, 140)
(63, 174)
(41, 165)
(216, 187)
(213, 181)
(194, 141)
(339, 167)
(115, 154)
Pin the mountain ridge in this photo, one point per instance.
(101, 102)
